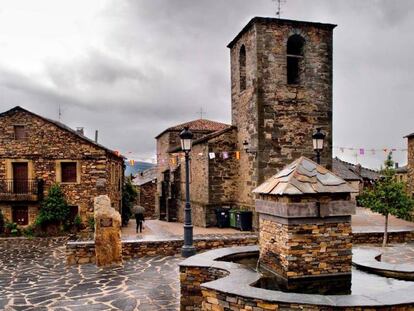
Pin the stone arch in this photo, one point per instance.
(294, 58)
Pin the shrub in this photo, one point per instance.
(12, 228)
(54, 209)
(77, 222)
(129, 195)
(28, 231)
(91, 223)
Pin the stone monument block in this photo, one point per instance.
(108, 247)
(305, 222)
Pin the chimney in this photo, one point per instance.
(79, 130)
(396, 165)
(96, 136)
(358, 169)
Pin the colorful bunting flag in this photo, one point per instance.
(212, 155)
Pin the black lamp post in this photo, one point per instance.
(318, 140)
(188, 248)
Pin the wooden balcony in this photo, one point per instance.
(21, 190)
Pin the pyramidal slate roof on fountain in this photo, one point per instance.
(304, 176)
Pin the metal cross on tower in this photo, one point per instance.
(201, 112)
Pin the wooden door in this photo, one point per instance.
(20, 215)
(20, 178)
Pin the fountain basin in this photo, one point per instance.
(208, 282)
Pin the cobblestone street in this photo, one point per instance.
(33, 276)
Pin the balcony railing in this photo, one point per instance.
(21, 189)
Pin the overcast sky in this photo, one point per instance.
(132, 68)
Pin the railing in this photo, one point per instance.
(17, 187)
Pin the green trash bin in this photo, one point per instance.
(232, 216)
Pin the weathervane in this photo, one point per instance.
(279, 7)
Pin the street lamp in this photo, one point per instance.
(188, 248)
(318, 139)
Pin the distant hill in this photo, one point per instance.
(138, 167)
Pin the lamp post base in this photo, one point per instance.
(188, 250)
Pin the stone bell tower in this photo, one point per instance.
(281, 88)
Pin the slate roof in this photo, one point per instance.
(409, 135)
(341, 169)
(362, 172)
(200, 125)
(63, 127)
(145, 177)
(205, 138)
(402, 169)
(304, 176)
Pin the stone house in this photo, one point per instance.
(170, 169)
(281, 91)
(36, 152)
(146, 184)
(401, 173)
(357, 176)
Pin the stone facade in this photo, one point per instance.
(313, 248)
(46, 145)
(410, 164)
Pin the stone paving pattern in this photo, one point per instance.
(33, 276)
(399, 253)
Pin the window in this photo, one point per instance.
(242, 68)
(68, 171)
(19, 132)
(294, 59)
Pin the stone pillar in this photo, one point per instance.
(108, 247)
(305, 222)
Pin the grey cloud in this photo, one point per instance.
(165, 59)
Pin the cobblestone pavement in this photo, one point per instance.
(399, 253)
(33, 276)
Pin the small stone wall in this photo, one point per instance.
(376, 237)
(190, 280)
(84, 252)
(215, 300)
(307, 249)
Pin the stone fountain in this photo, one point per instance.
(304, 257)
(305, 223)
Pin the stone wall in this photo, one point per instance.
(146, 198)
(410, 165)
(215, 300)
(84, 251)
(44, 148)
(376, 237)
(310, 249)
(213, 182)
(245, 116)
(190, 279)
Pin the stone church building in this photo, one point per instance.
(281, 91)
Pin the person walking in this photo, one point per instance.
(139, 212)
